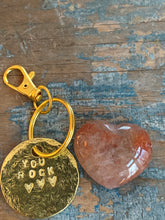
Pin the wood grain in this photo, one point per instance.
(106, 58)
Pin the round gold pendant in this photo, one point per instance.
(39, 187)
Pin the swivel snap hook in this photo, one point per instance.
(27, 87)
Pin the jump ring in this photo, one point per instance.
(70, 131)
(49, 100)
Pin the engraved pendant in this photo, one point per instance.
(39, 187)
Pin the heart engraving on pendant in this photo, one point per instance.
(40, 183)
(52, 180)
(112, 155)
(29, 187)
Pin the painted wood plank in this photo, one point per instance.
(106, 58)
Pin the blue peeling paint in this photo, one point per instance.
(1, 47)
(93, 58)
(145, 47)
(132, 204)
(107, 90)
(50, 4)
(8, 54)
(102, 68)
(149, 117)
(87, 32)
(164, 79)
(96, 208)
(154, 173)
(117, 192)
(134, 62)
(163, 83)
(21, 116)
(106, 45)
(81, 15)
(44, 74)
(151, 56)
(154, 36)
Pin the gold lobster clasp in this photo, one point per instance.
(27, 87)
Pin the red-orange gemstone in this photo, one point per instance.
(112, 155)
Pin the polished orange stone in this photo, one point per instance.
(112, 155)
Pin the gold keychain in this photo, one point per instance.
(39, 177)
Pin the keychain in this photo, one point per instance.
(39, 177)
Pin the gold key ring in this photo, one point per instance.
(50, 100)
(70, 131)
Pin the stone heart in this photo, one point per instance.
(112, 154)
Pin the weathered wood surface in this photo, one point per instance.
(107, 58)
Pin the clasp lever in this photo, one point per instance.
(27, 87)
